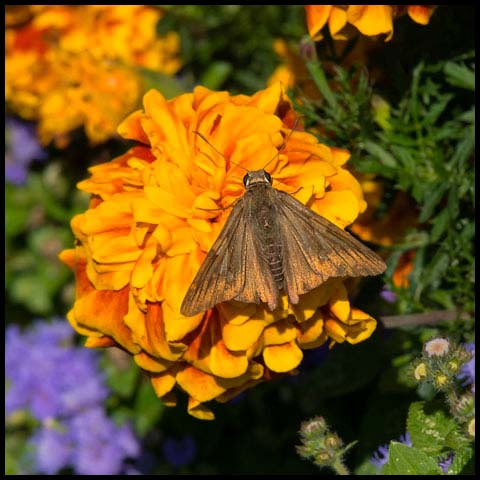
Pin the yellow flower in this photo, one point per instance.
(156, 211)
(420, 371)
(368, 19)
(70, 66)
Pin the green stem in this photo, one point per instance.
(340, 468)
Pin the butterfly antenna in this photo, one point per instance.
(285, 141)
(220, 153)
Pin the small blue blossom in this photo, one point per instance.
(446, 462)
(388, 295)
(467, 372)
(380, 457)
(63, 389)
(22, 149)
(179, 452)
(46, 375)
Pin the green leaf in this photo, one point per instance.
(439, 226)
(405, 460)
(320, 79)
(459, 75)
(121, 380)
(216, 74)
(379, 152)
(148, 408)
(437, 192)
(429, 426)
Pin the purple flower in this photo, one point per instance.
(445, 462)
(380, 457)
(61, 386)
(23, 149)
(388, 295)
(179, 452)
(467, 372)
(47, 375)
(53, 449)
(100, 445)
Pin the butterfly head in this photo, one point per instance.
(257, 177)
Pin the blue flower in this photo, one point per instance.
(57, 380)
(380, 457)
(100, 445)
(388, 295)
(23, 149)
(445, 462)
(467, 372)
(179, 452)
(62, 388)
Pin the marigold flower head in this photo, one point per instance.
(437, 347)
(156, 211)
(69, 66)
(368, 19)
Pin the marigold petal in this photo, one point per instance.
(317, 16)
(371, 19)
(226, 364)
(282, 358)
(336, 21)
(162, 383)
(99, 342)
(199, 385)
(339, 303)
(132, 128)
(340, 208)
(199, 410)
(310, 330)
(151, 364)
(420, 13)
(279, 333)
(242, 337)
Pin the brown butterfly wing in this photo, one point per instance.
(233, 268)
(315, 249)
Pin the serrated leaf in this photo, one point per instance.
(379, 152)
(405, 460)
(439, 226)
(459, 75)
(435, 194)
(428, 431)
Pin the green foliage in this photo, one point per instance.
(424, 147)
(405, 460)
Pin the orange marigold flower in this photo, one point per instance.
(368, 19)
(156, 211)
(69, 66)
(389, 228)
(404, 269)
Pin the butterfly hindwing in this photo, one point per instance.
(318, 249)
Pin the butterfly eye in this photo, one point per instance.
(268, 177)
(245, 179)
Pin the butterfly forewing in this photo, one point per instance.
(233, 268)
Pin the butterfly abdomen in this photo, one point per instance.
(270, 241)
